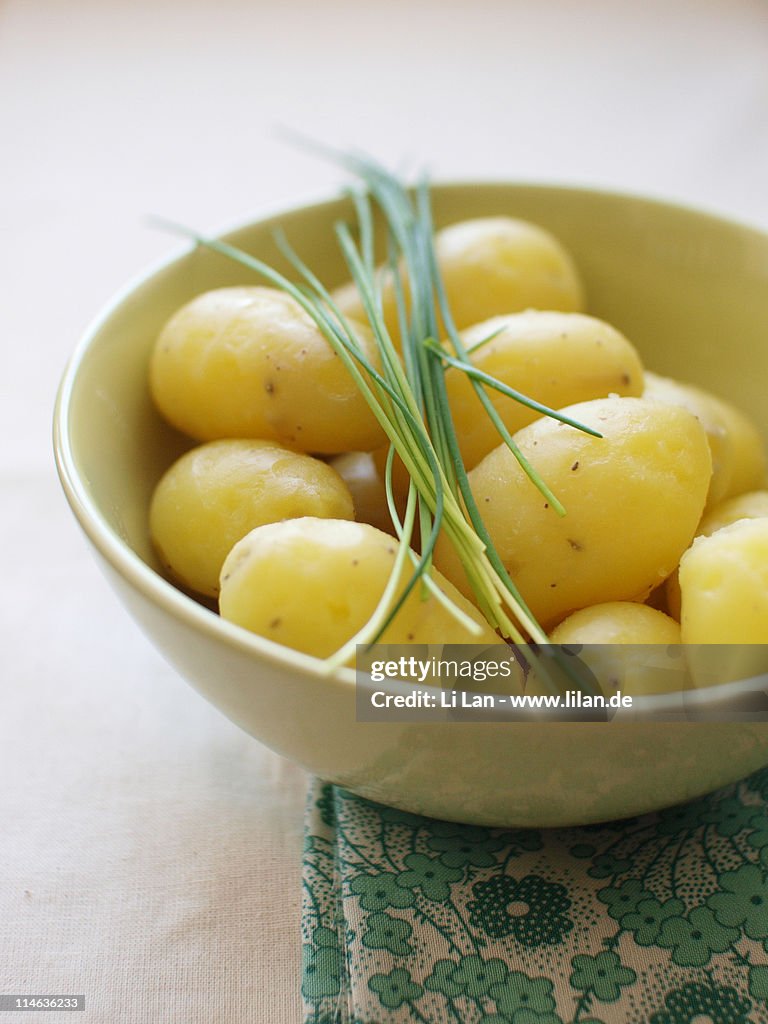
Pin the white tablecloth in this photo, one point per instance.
(149, 851)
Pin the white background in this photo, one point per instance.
(149, 852)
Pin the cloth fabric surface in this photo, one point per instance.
(660, 919)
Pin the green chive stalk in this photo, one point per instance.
(409, 399)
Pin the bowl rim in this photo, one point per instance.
(175, 602)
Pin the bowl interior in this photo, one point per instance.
(689, 289)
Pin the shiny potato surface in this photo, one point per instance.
(633, 499)
(249, 362)
(311, 584)
(217, 492)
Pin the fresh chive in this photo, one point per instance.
(486, 378)
(408, 397)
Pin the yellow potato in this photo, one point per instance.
(248, 362)
(556, 358)
(672, 595)
(724, 619)
(495, 265)
(216, 493)
(616, 636)
(749, 469)
(617, 622)
(311, 584)
(753, 505)
(401, 481)
(633, 500)
(738, 454)
(491, 266)
(724, 586)
(359, 472)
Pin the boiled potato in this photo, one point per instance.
(749, 469)
(359, 472)
(617, 622)
(615, 637)
(633, 500)
(249, 362)
(311, 584)
(556, 358)
(738, 455)
(401, 481)
(495, 265)
(753, 505)
(724, 586)
(724, 619)
(215, 494)
(491, 266)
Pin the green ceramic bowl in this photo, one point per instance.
(689, 289)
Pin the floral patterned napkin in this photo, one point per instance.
(660, 919)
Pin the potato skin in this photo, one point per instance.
(359, 472)
(633, 500)
(491, 266)
(738, 453)
(749, 468)
(249, 362)
(752, 505)
(311, 584)
(216, 493)
(617, 622)
(556, 358)
(496, 265)
(615, 636)
(401, 480)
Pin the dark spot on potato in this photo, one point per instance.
(225, 577)
(553, 584)
(574, 544)
(626, 380)
(546, 504)
(355, 561)
(487, 499)
(411, 636)
(269, 387)
(390, 551)
(275, 623)
(575, 466)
